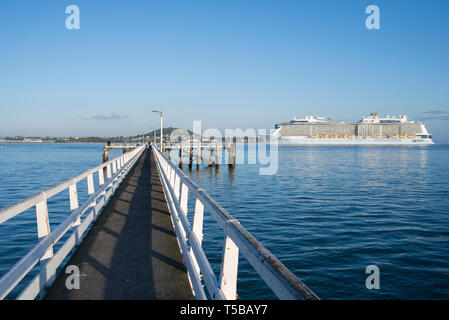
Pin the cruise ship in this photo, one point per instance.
(371, 130)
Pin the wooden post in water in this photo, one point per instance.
(217, 156)
(180, 154)
(191, 152)
(106, 151)
(232, 156)
(210, 156)
(198, 153)
(105, 154)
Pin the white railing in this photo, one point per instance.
(176, 187)
(116, 169)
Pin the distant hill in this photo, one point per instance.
(166, 131)
(118, 139)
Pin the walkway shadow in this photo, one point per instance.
(131, 252)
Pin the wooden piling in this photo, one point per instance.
(191, 152)
(106, 151)
(210, 157)
(181, 150)
(105, 154)
(198, 153)
(232, 155)
(217, 155)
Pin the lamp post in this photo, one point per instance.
(160, 113)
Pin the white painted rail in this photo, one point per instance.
(237, 240)
(116, 169)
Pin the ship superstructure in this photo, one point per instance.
(390, 130)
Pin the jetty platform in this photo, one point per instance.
(138, 235)
(131, 251)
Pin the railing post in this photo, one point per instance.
(197, 229)
(43, 224)
(73, 196)
(172, 177)
(229, 267)
(166, 165)
(184, 198)
(182, 204)
(100, 177)
(91, 190)
(176, 183)
(90, 184)
(108, 171)
(167, 170)
(198, 218)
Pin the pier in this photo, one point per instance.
(111, 146)
(136, 238)
(194, 152)
(131, 251)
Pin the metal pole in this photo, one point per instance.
(160, 113)
(162, 148)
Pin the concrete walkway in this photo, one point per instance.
(131, 251)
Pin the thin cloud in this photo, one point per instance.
(436, 112)
(443, 118)
(111, 116)
(435, 115)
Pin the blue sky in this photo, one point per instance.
(230, 64)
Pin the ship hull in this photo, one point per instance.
(300, 141)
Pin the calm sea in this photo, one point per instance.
(327, 213)
(27, 168)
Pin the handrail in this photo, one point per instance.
(116, 169)
(277, 276)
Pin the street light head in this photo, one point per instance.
(160, 112)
